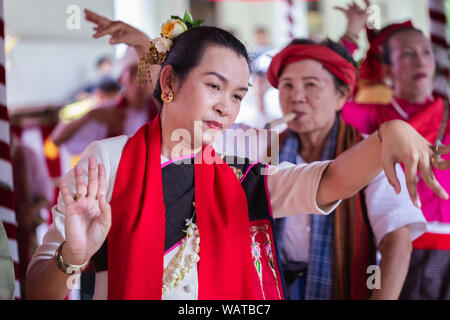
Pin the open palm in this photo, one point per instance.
(356, 16)
(87, 216)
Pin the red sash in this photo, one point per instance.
(136, 238)
(432, 241)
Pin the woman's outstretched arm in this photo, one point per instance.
(396, 142)
(121, 32)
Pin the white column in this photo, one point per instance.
(244, 17)
(141, 14)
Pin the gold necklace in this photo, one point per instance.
(181, 264)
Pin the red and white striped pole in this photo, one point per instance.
(290, 19)
(7, 212)
(438, 32)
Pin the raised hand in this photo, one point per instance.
(87, 215)
(119, 31)
(402, 144)
(356, 18)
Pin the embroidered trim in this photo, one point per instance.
(256, 253)
(237, 172)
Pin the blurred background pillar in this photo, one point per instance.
(439, 40)
(7, 213)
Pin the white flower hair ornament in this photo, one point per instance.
(160, 46)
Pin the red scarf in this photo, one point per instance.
(333, 61)
(427, 120)
(136, 238)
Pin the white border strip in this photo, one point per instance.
(7, 175)
(438, 29)
(438, 227)
(436, 5)
(8, 215)
(14, 250)
(4, 132)
(2, 94)
(2, 53)
(17, 293)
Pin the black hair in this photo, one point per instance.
(188, 49)
(386, 52)
(336, 47)
(108, 85)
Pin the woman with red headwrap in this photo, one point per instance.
(402, 54)
(314, 81)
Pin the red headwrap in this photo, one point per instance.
(331, 60)
(370, 68)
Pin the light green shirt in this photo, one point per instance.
(6, 267)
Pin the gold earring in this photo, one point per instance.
(167, 96)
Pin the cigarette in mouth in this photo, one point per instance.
(288, 117)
